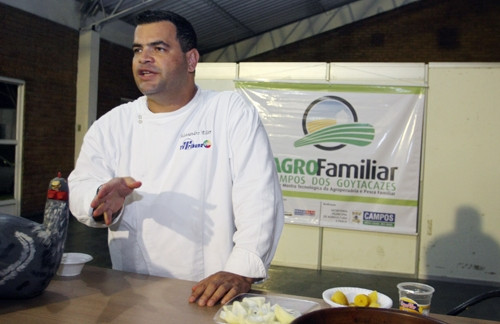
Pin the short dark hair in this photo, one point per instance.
(185, 31)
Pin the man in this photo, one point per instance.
(206, 205)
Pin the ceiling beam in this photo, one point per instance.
(120, 14)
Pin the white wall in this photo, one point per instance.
(461, 205)
(459, 236)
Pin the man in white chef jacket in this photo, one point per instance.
(183, 178)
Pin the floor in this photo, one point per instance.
(312, 283)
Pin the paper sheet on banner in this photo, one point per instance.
(347, 156)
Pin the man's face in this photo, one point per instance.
(159, 66)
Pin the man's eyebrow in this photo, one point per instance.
(156, 43)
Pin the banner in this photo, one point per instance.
(348, 156)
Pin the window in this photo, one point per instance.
(11, 108)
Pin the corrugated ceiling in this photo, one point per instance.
(217, 22)
(232, 30)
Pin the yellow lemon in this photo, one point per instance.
(373, 296)
(230, 317)
(282, 315)
(339, 298)
(361, 300)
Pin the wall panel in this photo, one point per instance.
(461, 237)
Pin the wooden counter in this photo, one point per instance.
(109, 296)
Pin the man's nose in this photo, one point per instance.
(145, 57)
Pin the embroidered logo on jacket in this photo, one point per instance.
(188, 144)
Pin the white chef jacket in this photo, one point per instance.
(210, 198)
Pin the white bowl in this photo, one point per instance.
(351, 292)
(72, 264)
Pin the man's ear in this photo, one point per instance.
(192, 57)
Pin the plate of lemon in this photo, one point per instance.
(258, 308)
(356, 297)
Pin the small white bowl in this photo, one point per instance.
(72, 264)
(351, 292)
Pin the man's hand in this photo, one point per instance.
(111, 197)
(220, 286)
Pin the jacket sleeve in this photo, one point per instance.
(92, 169)
(257, 198)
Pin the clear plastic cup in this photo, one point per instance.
(415, 297)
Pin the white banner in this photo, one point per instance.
(348, 156)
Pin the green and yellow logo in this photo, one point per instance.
(330, 123)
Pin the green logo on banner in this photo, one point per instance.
(330, 123)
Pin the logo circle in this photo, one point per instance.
(328, 108)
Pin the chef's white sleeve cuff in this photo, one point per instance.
(246, 263)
